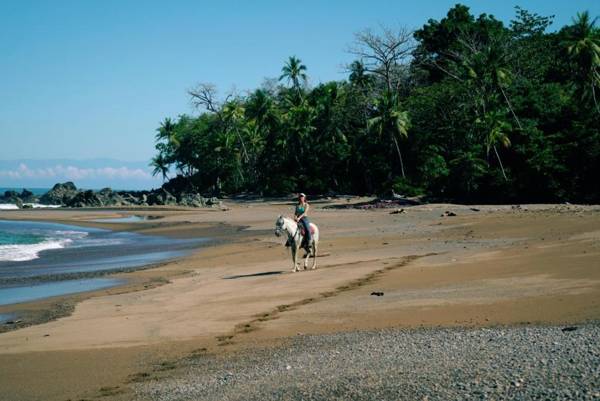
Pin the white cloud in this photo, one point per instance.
(73, 173)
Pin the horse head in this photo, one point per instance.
(279, 224)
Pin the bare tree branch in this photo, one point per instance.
(382, 53)
(204, 96)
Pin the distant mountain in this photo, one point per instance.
(87, 173)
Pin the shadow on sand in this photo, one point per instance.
(272, 273)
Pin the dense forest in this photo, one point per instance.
(465, 109)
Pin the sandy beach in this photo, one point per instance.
(488, 266)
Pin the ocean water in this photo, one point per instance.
(39, 260)
(36, 191)
(18, 294)
(23, 241)
(5, 317)
(127, 219)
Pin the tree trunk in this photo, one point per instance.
(500, 161)
(510, 107)
(594, 97)
(399, 155)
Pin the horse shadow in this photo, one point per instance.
(271, 273)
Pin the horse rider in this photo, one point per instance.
(300, 216)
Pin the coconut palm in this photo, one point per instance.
(161, 166)
(294, 71)
(583, 47)
(496, 133)
(358, 74)
(233, 113)
(166, 131)
(391, 120)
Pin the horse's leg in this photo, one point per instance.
(306, 259)
(294, 257)
(314, 265)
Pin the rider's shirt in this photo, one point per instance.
(300, 209)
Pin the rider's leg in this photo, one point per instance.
(306, 225)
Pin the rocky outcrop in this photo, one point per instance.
(17, 198)
(161, 197)
(67, 194)
(85, 199)
(60, 194)
(28, 196)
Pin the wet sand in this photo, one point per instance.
(538, 264)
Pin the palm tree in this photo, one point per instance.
(393, 120)
(161, 165)
(358, 74)
(233, 113)
(166, 131)
(260, 108)
(496, 132)
(583, 47)
(490, 62)
(294, 71)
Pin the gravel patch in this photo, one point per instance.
(507, 363)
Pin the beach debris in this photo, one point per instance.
(377, 293)
(474, 209)
(398, 211)
(516, 207)
(288, 367)
(568, 328)
(378, 203)
(448, 214)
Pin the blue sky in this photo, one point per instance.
(92, 79)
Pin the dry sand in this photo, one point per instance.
(497, 266)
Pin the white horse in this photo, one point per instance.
(295, 237)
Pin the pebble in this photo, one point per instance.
(504, 363)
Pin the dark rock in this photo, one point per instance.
(60, 194)
(569, 328)
(161, 197)
(27, 196)
(10, 195)
(19, 203)
(68, 195)
(85, 199)
(192, 200)
(212, 201)
(377, 293)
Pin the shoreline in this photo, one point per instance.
(497, 267)
(47, 309)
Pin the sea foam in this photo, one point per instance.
(23, 252)
(12, 206)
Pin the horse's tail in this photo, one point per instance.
(316, 233)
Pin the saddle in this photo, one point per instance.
(303, 231)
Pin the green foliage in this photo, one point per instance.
(484, 113)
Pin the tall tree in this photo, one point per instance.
(385, 54)
(583, 46)
(393, 121)
(295, 72)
